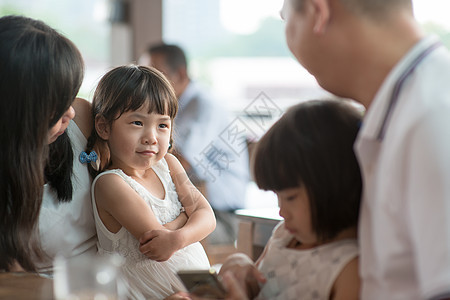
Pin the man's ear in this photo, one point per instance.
(102, 127)
(322, 15)
(183, 73)
(179, 75)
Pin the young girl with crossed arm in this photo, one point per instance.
(307, 159)
(141, 187)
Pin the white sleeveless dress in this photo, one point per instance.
(149, 279)
(302, 274)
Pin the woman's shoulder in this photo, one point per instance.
(83, 115)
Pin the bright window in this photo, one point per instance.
(84, 22)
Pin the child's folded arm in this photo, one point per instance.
(119, 205)
(201, 220)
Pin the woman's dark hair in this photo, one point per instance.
(312, 146)
(59, 167)
(128, 88)
(40, 74)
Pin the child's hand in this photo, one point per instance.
(178, 222)
(245, 272)
(159, 244)
(234, 289)
(235, 292)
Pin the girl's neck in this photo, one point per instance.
(349, 233)
(132, 172)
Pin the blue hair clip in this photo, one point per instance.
(88, 158)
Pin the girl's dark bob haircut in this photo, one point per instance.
(312, 146)
(127, 88)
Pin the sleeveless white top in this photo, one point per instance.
(68, 228)
(302, 274)
(149, 279)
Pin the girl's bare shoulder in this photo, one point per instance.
(347, 284)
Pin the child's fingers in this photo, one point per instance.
(258, 276)
(145, 246)
(147, 236)
(235, 291)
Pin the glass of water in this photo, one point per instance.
(89, 277)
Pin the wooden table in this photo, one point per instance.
(25, 286)
(255, 228)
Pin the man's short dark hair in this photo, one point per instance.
(174, 56)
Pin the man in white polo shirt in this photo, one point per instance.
(376, 53)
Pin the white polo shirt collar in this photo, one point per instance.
(380, 107)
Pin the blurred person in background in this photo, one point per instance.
(200, 127)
